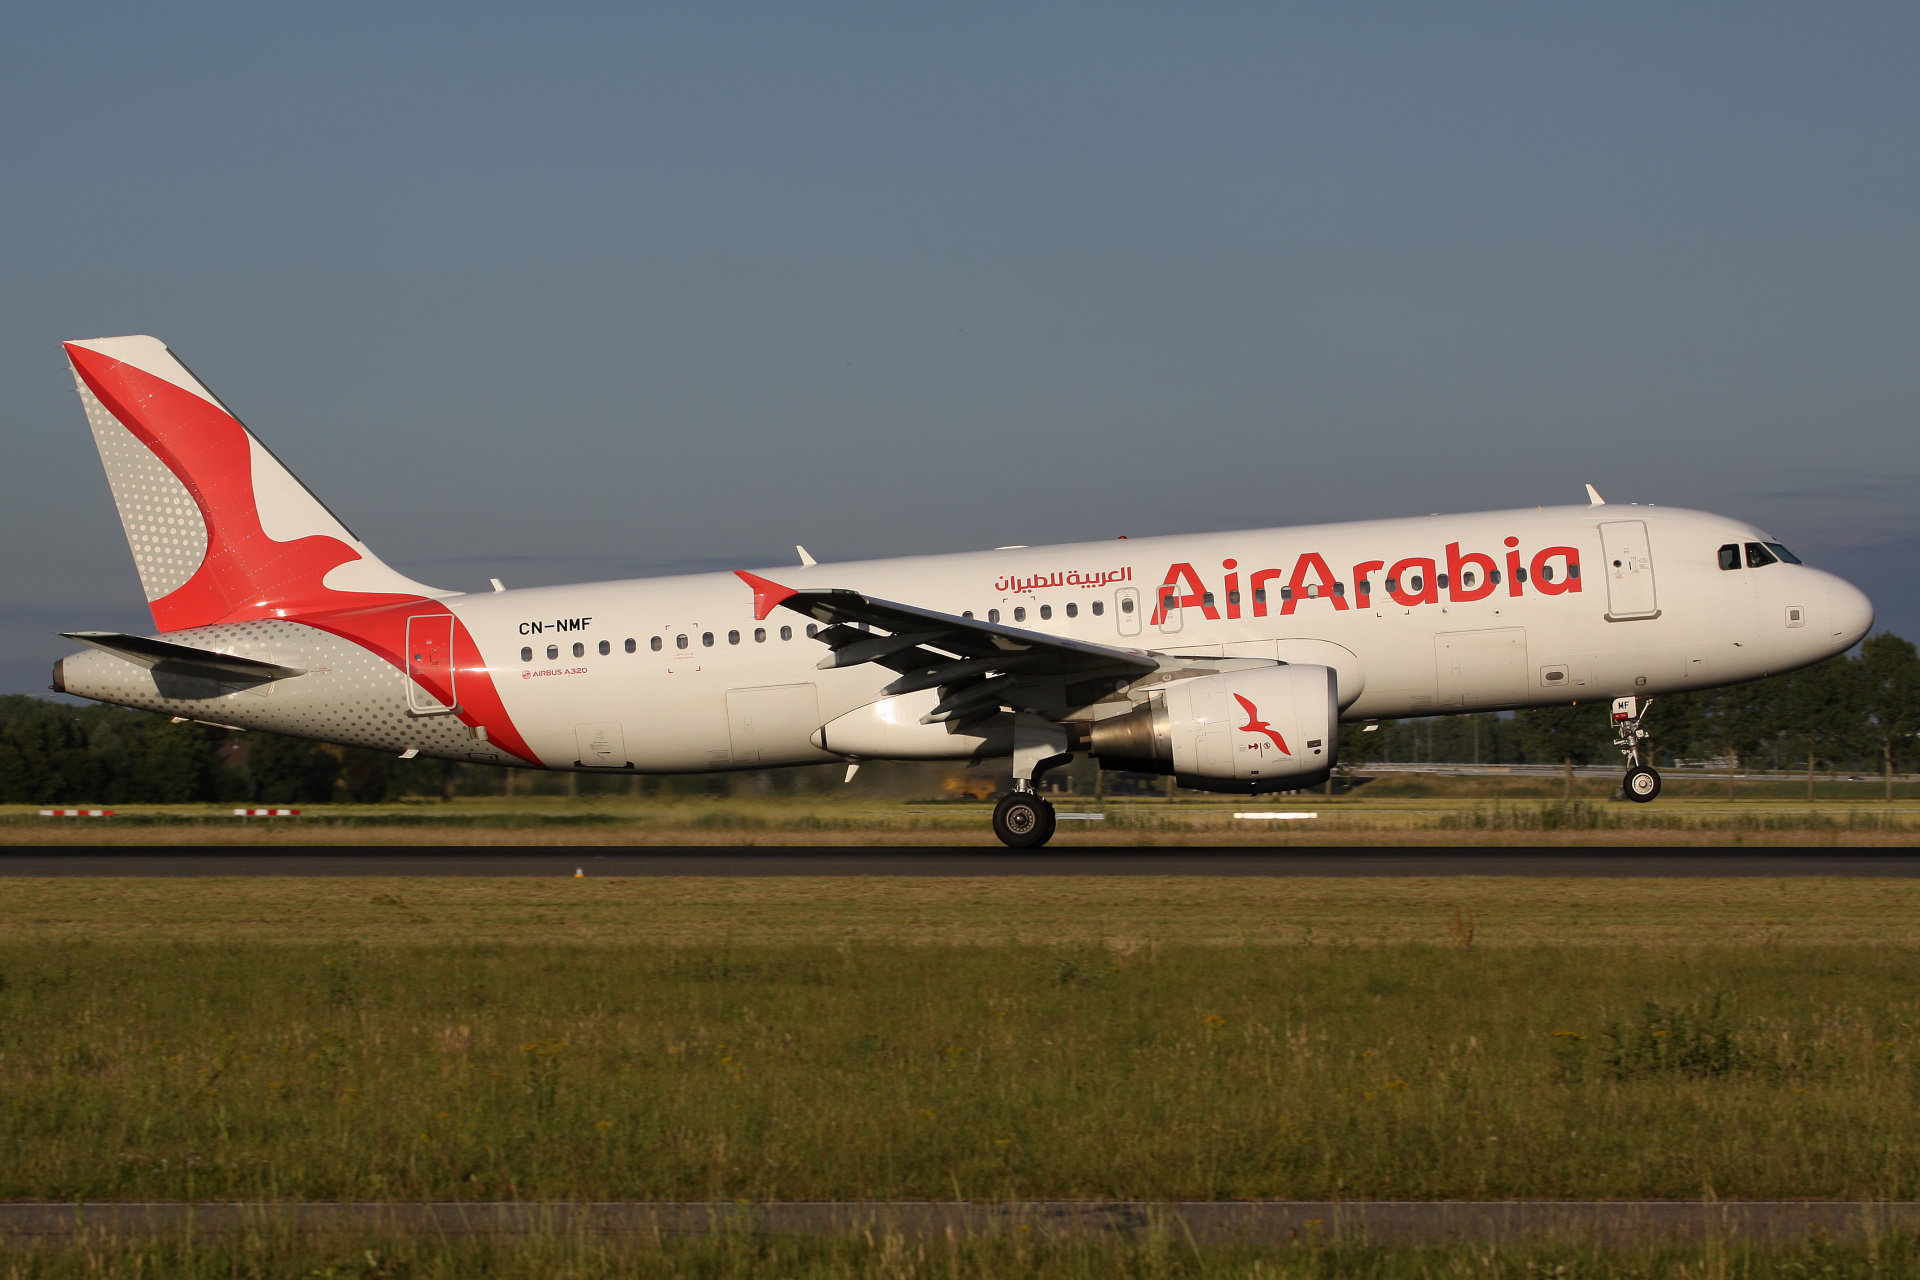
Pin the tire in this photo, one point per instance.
(1023, 821)
(1642, 785)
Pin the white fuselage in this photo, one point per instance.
(682, 677)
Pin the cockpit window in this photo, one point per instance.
(1730, 556)
(1758, 555)
(1783, 553)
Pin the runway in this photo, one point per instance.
(925, 861)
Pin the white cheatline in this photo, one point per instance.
(1280, 816)
(1080, 817)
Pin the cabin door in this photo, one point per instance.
(1629, 570)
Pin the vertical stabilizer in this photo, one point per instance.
(220, 530)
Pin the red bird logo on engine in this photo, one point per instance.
(1255, 724)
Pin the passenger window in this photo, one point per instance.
(1730, 556)
(1758, 556)
(1783, 553)
(1441, 578)
(1546, 574)
(1046, 612)
(1393, 584)
(1170, 603)
(1126, 604)
(1020, 614)
(993, 615)
(1416, 584)
(967, 614)
(1519, 575)
(553, 651)
(526, 655)
(759, 635)
(606, 648)
(679, 642)
(579, 650)
(1206, 599)
(733, 637)
(812, 631)
(655, 643)
(1260, 595)
(1073, 610)
(1467, 580)
(1100, 607)
(786, 633)
(1339, 588)
(631, 646)
(1495, 575)
(1363, 587)
(706, 638)
(1233, 598)
(1286, 593)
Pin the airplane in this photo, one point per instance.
(1232, 661)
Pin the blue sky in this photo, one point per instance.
(565, 292)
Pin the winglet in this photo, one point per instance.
(806, 561)
(1593, 497)
(766, 595)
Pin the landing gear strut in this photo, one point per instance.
(1642, 783)
(1022, 819)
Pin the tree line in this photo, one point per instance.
(1857, 712)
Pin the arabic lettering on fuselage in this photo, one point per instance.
(1014, 584)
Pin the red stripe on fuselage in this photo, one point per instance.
(382, 629)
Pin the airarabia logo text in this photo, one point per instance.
(1416, 580)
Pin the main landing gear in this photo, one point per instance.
(1642, 783)
(1022, 819)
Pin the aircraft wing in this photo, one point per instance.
(978, 666)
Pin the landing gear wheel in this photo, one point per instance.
(1642, 784)
(1023, 820)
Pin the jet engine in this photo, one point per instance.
(1269, 729)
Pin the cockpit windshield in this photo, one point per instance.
(1783, 553)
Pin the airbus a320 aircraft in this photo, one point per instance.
(1230, 660)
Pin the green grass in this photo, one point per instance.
(1158, 1256)
(1471, 812)
(636, 1070)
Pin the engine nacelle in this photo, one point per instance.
(1270, 729)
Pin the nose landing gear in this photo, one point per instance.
(1642, 781)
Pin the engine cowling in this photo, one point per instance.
(1270, 729)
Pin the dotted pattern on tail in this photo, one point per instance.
(165, 530)
(348, 695)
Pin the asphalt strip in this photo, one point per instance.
(1612, 1222)
(590, 860)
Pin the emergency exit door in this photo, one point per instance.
(430, 667)
(1629, 569)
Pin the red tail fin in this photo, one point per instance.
(220, 530)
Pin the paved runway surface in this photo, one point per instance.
(922, 861)
(1614, 1222)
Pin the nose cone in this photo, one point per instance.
(1849, 612)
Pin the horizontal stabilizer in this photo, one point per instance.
(185, 660)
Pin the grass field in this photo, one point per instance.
(1473, 813)
(768, 1039)
(1160, 1256)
